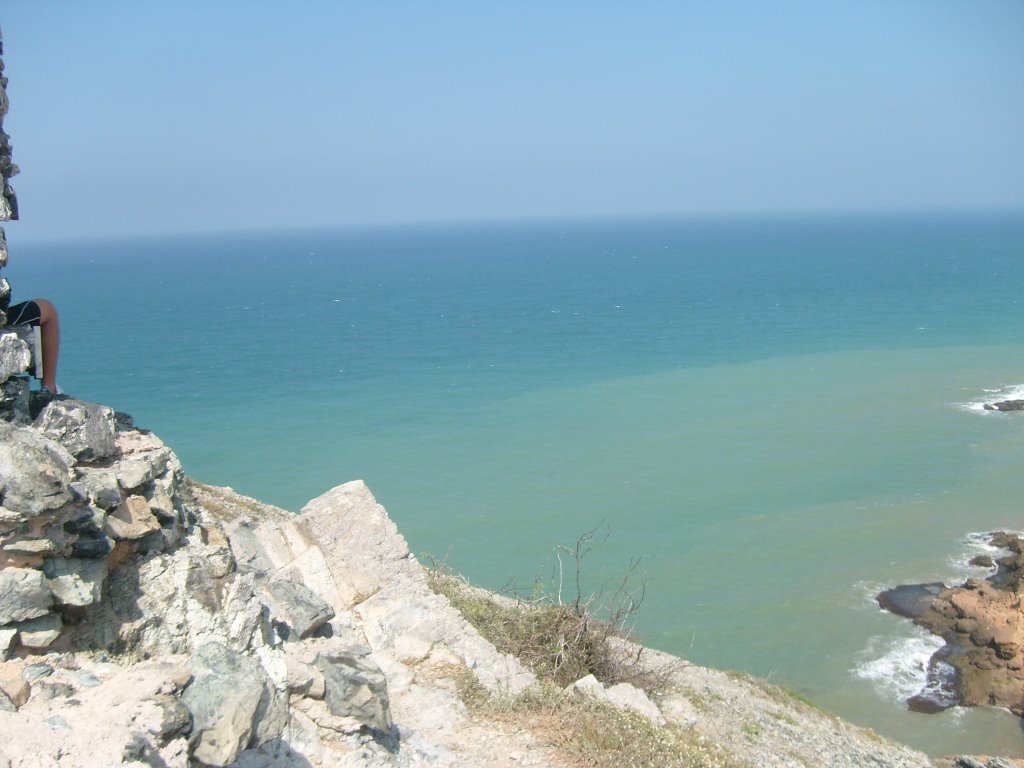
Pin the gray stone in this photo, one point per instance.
(1000, 762)
(86, 430)
(24, 594)
(15, 355)
(134, 472)
(968, 762)
(224, 697)
(14, 405)
(6, 703)
(101, 487)
(35, 472)
(88, 538)
(356, 687)
(175, 718)
(297, 606)
(131, 520)
(75, 582)
(36, 671)
(7, 636)
(246, 547)
(57, 723)
(41, 632)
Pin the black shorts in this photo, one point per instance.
(25, 313)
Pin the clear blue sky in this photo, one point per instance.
(159, 116)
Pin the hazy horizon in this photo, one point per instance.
(186, 118)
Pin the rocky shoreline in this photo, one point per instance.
(982, 623)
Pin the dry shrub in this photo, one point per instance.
(562, 641)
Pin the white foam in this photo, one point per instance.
(898, 666)
(977, 543)
(1012, 392)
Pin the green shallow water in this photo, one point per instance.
(769, 503)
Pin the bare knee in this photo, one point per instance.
(47, 311)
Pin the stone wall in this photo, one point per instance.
(8, 201)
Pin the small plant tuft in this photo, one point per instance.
(561, 642)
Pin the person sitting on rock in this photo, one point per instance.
(42, 313)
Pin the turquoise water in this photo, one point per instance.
(778, 416)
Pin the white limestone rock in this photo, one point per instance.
(35, 472)
(15, 355)
(627, 696)
(86, 430)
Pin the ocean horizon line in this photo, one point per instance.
(427, 226)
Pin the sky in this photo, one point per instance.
(158, 117)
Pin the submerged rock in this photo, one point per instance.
(1005, 405)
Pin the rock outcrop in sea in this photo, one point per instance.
(982, 622)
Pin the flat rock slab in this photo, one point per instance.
(910, 600)
(298, 607)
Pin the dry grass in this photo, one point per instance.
(561, 643)
(591, 734)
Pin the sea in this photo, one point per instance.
(756, 423)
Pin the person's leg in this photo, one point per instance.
(49, 327)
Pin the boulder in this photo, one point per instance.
(14, 401)
(35, 472)
(131, 520)
(356, 687)
(24, 594)
(86, 430)
(75, 582)
(297, 607)
(134, 472)
(224, 697)
(15, 355)
(41, 632)
(89, 540)
(100, 486)
(982, 623)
